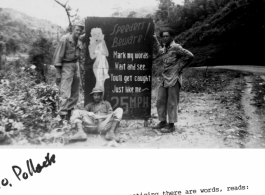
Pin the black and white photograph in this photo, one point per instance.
(127, 74)
(132, 97)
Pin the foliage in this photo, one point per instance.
(231, 33)
(11, 46)
(207, 80)
(72, 18)
(132, 14)
(218, 32)
(117, 12)
(183, 17)
(41, 54)
(164, 8)
(2, 47)
(27, 109)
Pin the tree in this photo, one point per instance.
(149, 16)
(117, 12)
(132, 14)
(11, 46)
(41, 54)
(164, 8)
(2, 52)
(2, 47)
(71, 17)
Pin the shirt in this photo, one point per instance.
(175, 59)
(66, 50)
(102, 108)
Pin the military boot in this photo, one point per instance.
(168, 129)
(160, 125)
(80, 134)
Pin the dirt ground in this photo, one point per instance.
(226, 119)
(233, 117)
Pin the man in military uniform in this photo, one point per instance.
(98, 117)
(175, 59)
(68, 71)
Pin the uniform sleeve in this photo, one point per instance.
(59, 52)
(185, 57)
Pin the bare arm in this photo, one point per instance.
(161, 49)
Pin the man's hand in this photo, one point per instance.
(161, 50)
(91, 114)
(58, 81)
(94, 116)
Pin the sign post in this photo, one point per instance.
(119, 60)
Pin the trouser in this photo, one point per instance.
(69, 88)
(96, 126)
(167, 103)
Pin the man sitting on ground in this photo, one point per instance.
(98, 117)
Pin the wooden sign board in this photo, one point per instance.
(119, 58)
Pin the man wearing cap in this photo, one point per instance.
(175, 59)
(66, 57)
(98, 117)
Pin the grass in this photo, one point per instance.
(207, 80)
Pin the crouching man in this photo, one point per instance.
(98, 117)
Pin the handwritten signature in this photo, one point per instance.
(31, 169)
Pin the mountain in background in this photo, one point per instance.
(217, 32)
(24, 29)
(234, 35)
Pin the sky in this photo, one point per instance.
(50, 10)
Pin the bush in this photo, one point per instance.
(41, 54)
(207, 80)
(26, 107)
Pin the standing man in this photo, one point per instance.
(98, 117)
(68, 72)
(175, 59)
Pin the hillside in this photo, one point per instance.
(24, 29)
(233, 35)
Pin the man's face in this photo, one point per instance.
(78, 30)
(97, 97)
(166, 37)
